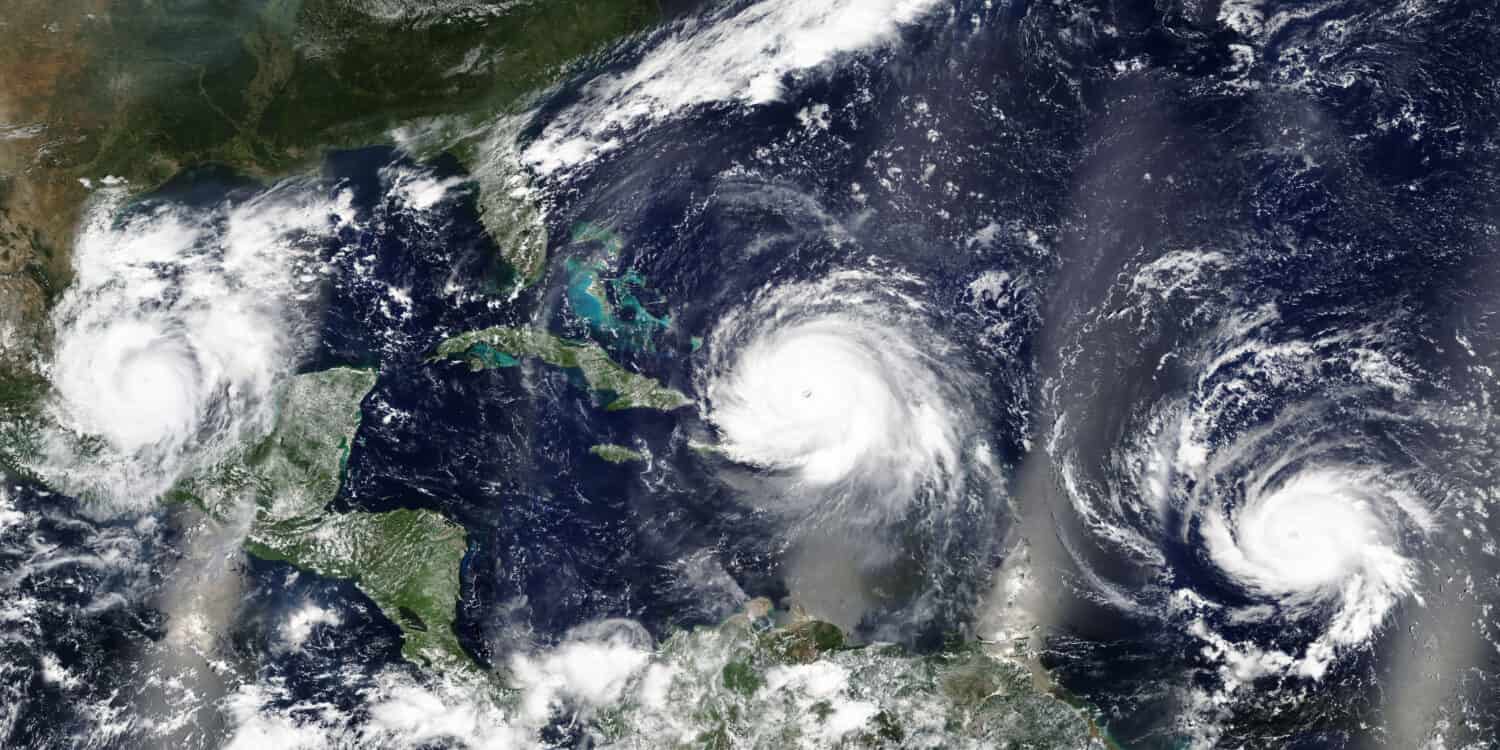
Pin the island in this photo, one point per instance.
(617, 454)
(768, 678)
(505, 347)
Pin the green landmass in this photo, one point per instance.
(504, 347)
(751, 683)
(767, 680)
(617, 454)
(265, 86)
(141, 90)
(20, 417)
(407, 561)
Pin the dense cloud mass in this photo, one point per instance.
(799, 374)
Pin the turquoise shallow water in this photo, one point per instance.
(1169, 262)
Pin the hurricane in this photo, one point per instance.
(750, 374)
(1273, 506)
(181, 323)
(824, 384)
(1325, 537)
(1297, 512)
(858, 422)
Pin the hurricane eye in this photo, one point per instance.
(180, 324)
(824, 390)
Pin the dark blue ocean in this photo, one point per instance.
(1346, 177)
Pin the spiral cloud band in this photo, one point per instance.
(1311, 535)
(177, 330)
(856, 421)
(1300, 516)
(1325, 538)
(835, 386)
(1273, 502)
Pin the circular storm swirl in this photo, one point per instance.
(174, 336)
(839, 387)
(137, 383)
(1303, 518)
(1327, 538)
(1310, 537)
(1304, 511)
(1272, 507)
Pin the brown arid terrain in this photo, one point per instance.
(41, 129)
